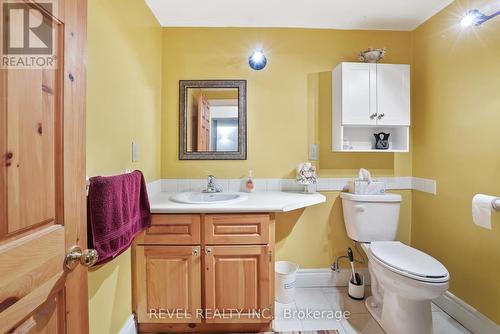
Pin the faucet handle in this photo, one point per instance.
(211, 185)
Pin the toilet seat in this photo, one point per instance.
(409, 262)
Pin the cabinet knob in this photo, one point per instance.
(372, 116)
(209, 251)
(381, 116)
(195, 251)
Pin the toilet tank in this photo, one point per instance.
(370, 218)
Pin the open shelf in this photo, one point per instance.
(362, 139)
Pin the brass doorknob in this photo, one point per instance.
(87, 257)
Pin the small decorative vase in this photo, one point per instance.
(382, 140)
(308, 189)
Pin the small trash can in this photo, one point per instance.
(285, 273)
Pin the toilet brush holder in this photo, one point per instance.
(357, 291)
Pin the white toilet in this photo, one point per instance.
(404, 280)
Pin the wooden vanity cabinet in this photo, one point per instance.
(205, 273)
(168, 284)
(237, 278)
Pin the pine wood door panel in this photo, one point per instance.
(31, 126)
(42, 182)
(237, 278)
(47, 319)
(32, 271)
(244, 229)
(203, 136)
(168, 283)
(33, 143)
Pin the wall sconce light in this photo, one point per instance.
(257, 60)
(476, 17)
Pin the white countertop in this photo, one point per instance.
(256, 202)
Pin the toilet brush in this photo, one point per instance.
(355, 279)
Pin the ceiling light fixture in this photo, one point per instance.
(476, 17)
(257, 60)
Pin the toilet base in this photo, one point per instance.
(374, 308)
(411, 318)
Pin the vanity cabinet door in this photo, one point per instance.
(237, 284)
(168, 283)
(359, 93)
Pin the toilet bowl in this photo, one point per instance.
(401, 296)
(404, 280)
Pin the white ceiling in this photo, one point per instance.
(336, 14)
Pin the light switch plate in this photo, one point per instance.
(135, 152)
(313, 152)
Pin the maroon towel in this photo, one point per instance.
(118, 209)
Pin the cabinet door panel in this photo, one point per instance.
(237, 284)
(359, 93)
(393, 94)
(168, 283)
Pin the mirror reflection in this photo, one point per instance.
(212, 119)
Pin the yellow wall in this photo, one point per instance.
(289, 106)
(123, 105)
(456, 137)
(315, 236)
(289, 102)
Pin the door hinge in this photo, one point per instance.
(270, 256)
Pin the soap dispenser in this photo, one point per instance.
(250, 185)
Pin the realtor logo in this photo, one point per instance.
(27, 35)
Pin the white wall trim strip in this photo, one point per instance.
(324, 184)
(466, 315)
(129, 326)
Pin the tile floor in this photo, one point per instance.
(332, 299)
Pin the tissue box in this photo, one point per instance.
(366, 188)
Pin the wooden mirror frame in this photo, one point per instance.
(241, 154)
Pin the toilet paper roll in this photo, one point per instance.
(482, 206)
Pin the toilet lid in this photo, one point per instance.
(409, 261)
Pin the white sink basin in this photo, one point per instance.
(208, 198)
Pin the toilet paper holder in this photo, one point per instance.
(496, 204)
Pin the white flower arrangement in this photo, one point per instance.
(306, 175)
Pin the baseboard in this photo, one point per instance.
(465, 314)
(324, 277)
(129, 326)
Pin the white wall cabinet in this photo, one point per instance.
(367, 99)
(393, 94)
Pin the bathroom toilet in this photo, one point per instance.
(404, 279)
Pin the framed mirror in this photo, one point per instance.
(212, 120)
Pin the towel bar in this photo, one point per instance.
(87, 178)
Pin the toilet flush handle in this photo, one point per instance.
(359, 208)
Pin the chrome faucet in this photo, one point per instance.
(211, 186)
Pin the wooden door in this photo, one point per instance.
(393, 94)
(203, 136)
(168, 283)
(359, 94)
(237, 284)
(42, 182)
